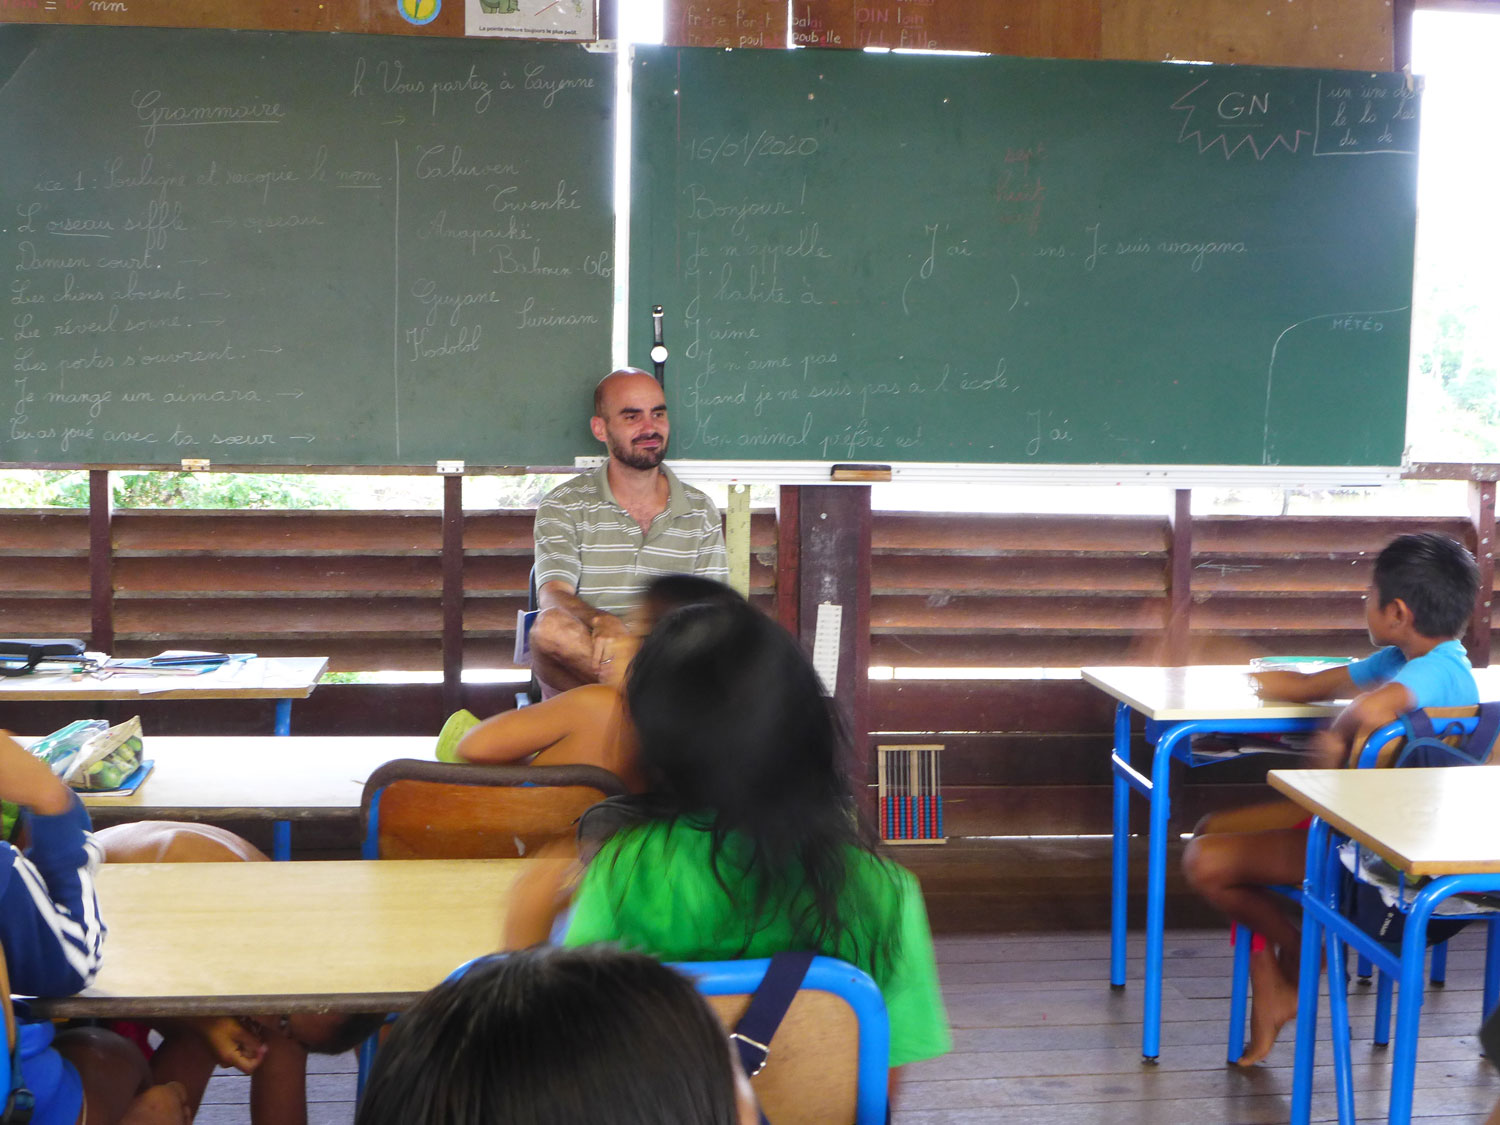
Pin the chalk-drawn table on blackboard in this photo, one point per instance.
(933, 259)
(278, 249)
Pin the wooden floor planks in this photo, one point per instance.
(1040, 1037)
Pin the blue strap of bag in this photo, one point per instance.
(768, 1006)
(1423, 741)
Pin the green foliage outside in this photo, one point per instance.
(1455, 389)
(146, 489)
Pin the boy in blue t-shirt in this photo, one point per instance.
(1423, 593)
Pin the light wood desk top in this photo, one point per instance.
(1205, 691)
(1219, 691)
(267, 777)
(1424, 821)
(270, 938)
(290, 677)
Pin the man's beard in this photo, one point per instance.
(638, 458)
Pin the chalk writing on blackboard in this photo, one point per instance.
(300, 249)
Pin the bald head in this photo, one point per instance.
(630, 417)
(618, 379)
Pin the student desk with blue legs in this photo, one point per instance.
(259, 939)
(1437, 824)
(280, 679)
(298, 779)
(1176, 704)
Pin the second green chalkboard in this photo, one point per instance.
(897, 258)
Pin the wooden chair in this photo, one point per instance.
(414, 809)
(1379, 751)
(830, 1059)
(448, 810)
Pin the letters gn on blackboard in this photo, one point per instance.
(904, 258)
(301, 249)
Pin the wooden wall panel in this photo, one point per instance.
(1342, 34)
(1042, 28)
(1020, 650)
(378, 17)
(725, 23)
(1349, 34)
(44, 577)
(1350, 538)
(45, 617)
(823, 23)
(270, 15)
(1039, 536)
(362, 588)
(44, 532)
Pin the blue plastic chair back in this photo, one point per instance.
(826, 974)
(1370, 751)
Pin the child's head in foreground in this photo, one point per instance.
(550, 1036)
(1434, 576)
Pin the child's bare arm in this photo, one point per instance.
(1356, 722)
(512, 736)
(540, 894)
(28, 781)
(1298, 687)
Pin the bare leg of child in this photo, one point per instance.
(192, 1048)
(1265, 816)
(1232, 872)
(160, 1105)
(172, 841)
(278, 1092)
(185, 1059)
(117, 1083)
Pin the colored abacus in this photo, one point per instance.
(909, 795)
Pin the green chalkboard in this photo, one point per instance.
(900, 258)
(277, 249)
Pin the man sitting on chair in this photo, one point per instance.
(602, 536)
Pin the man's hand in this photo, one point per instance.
(611, 638)
(28, 781)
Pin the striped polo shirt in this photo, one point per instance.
(584, 538)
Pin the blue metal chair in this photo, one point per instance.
(829, 1060)
(810, 1074)
(1379, 749)
(1323, 892)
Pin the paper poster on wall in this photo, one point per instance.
(532, 19)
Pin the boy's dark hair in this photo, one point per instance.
(549, 1036)
(1435, 576)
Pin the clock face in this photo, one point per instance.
(659, 354)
